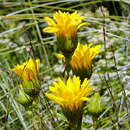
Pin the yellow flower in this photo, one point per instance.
(70, 95)
(64, 24)
(28, 70)
(83, 56)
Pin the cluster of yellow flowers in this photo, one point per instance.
(72, 93)
(65, 26)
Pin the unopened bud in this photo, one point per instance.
(96, 105)
(23, 98)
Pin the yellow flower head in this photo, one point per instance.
(64, 24)
(70, 95)
(28, 70)
(83, 56)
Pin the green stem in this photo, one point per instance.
(75, 124)
(95, 124)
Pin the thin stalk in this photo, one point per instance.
(106, 74)
(118, 76)
(46, 103)
(114, 103)
(40, 36)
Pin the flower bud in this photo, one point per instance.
(31, 87)
(23, 98)
(96, 105)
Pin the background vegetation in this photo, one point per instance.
(21, 37)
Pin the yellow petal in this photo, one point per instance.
(83, 24)
(49, 21)
(51, 29)
(53, 97)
